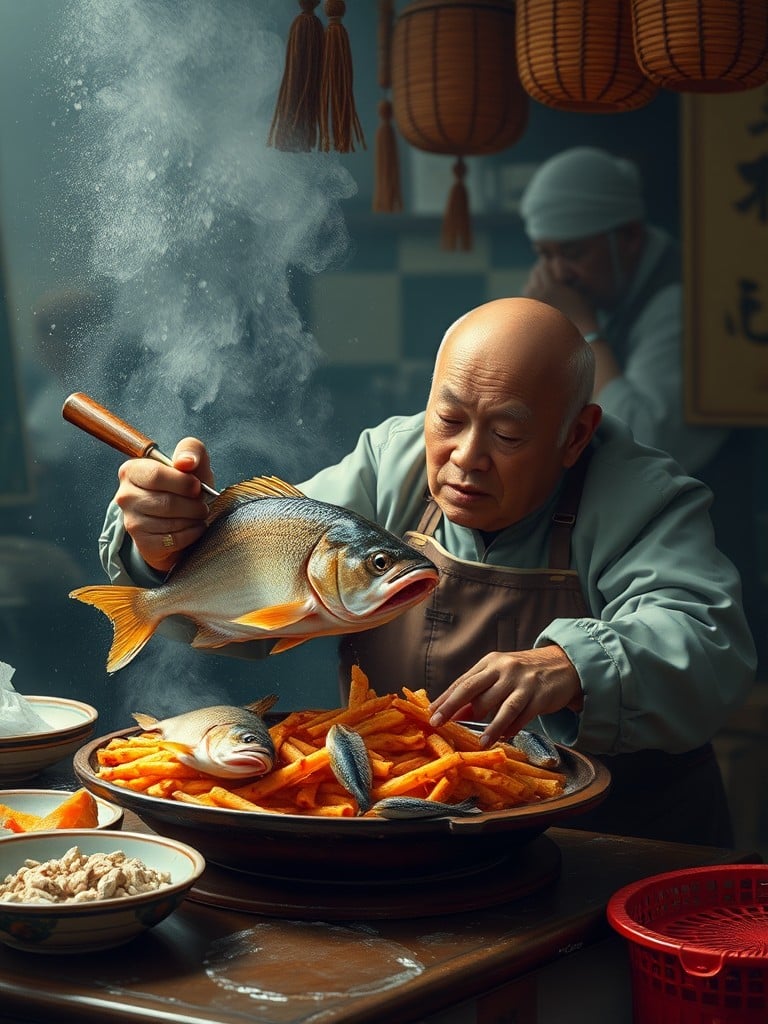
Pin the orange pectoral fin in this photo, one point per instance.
(288, 643)
(276, 617)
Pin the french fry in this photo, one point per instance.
(409, 764)
(412, 781)
(226, 798)
(395, 741)
(443, 788)
(348, 716)
(287, 775)
(358, 687)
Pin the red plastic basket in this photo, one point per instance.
(698, 944)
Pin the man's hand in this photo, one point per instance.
(509, 689)
(542, 285)
(163, 508)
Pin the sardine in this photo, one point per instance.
(539, 749)
(412, 807)
(276, 564)
(221, 740)
(350, 763)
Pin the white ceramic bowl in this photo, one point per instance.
(100, 924)
(43, 801)
(26, 755)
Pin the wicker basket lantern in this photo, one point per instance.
(455, 88)
(702, 45)
(579, 55)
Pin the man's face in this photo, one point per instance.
(492, 441)
(587, 266)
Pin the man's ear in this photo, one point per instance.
(580, 433)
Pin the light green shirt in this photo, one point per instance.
(667, 654)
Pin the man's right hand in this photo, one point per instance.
(163, 507)
(544, 286)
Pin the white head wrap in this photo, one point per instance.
(581, 192)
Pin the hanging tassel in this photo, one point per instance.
(338, 116)
(387, 197)
(296, 122)
(457, 230)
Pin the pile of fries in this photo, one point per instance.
(408, 758)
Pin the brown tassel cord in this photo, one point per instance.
(296, 122)
(387, 196)
(338, 116)
(457, 230)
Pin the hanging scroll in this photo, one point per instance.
(725, 232)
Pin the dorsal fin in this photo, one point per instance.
(263, 705)
(248, 490)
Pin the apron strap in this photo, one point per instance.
(430, 517)
(564, 516)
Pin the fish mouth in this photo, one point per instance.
(414, 591)
(251, 762)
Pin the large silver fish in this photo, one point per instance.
(222, 740)
(350, 763)
(273, 563)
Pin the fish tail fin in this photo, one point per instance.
(124, 607)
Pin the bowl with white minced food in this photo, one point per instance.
(81, 890)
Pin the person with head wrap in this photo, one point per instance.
(580, 587)
(618, 278)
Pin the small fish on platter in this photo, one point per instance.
(351, 766)
(273, 564)
(413, 807)
(222, 740)
(350, 763)
(538, 748)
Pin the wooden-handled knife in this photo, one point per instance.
(87, 414)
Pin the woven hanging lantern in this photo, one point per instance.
(702, 45)
(455, 88)
(579, 55)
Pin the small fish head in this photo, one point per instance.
(236, 750)
(366, 576)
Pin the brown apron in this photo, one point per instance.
(477, 608)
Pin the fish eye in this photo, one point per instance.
(379, 562)
(249, 737)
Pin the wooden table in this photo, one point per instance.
(205, 964)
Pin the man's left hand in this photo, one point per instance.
(509, 689)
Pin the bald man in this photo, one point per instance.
(580, 588)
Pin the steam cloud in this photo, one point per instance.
(192, 232)
(198, 226)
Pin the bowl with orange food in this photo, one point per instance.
(39, 810)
